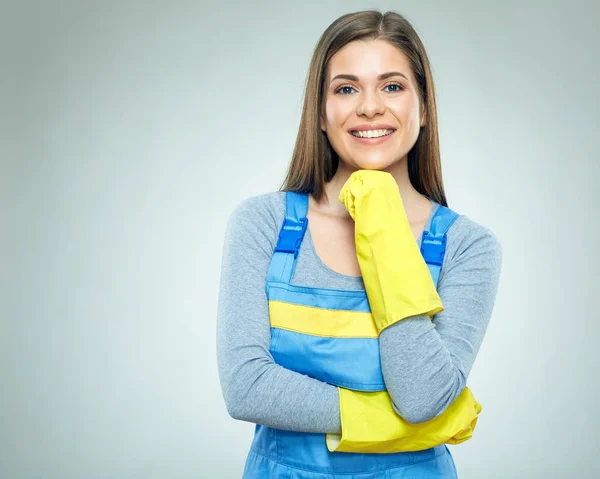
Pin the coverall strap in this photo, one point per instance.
(291, 235)
(433, 243)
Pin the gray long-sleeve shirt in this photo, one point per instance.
(425, 363)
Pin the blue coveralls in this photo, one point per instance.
(351, 363)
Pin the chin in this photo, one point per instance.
(373, 165)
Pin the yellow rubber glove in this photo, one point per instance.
(397, 280)
(398, 284)
(370, 424)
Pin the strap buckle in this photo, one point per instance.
(291, 235)
(433, 249)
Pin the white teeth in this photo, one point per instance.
(371, 133)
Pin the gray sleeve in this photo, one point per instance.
(255, 388)
(426, 363)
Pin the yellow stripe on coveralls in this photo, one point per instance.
(322, 322)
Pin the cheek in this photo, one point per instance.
(407, 113)
(335, 112)
(331, 116)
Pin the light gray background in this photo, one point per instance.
(129, 132)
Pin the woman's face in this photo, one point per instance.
(370, 86)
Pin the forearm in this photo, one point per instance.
(420, 374)
(260, 391)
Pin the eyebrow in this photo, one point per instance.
(383, 76)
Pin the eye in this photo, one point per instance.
(342, 87)
(398, 87)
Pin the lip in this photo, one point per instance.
(373, 141)
(372, 126)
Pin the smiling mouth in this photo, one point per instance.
(371, 133)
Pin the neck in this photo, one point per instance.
(411, 198)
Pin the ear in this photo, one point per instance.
(423, 117)
(323, 124)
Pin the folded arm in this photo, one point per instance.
(254, 387)
(425, 364)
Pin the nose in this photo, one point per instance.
(370, 104)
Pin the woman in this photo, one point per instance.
(353, 362)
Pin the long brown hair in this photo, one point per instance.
(314, 161)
